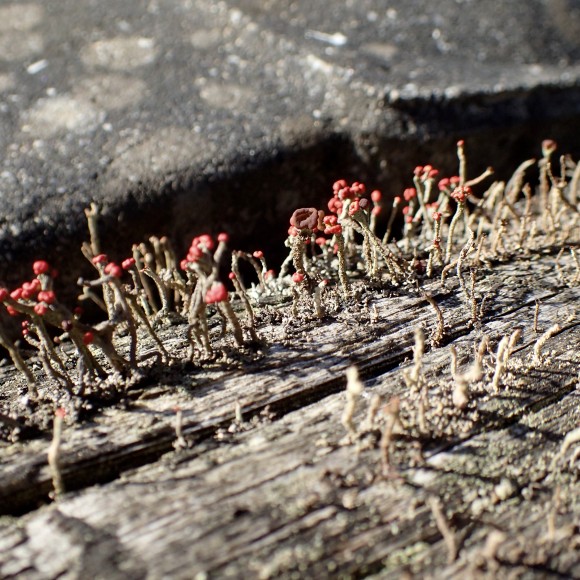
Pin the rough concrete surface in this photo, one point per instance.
(184, 115)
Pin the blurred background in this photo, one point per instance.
(185, 116)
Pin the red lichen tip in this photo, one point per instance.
(114, 270)
(60, 412)
(217, 293)
(335, 205)
(346, 193)
(223, 238)
(436, 216)
(258, 254)
(47, 296)
(231, 276)
(88, 338)
(297, 277)
(40, 309)
(4, 294)
(336, 229)
(376, 196)
(199, 245)
(203, 241)
(460, 194)
(100, 259)
(30, 289)
(128, 263)
(40, 267)
(353, 207)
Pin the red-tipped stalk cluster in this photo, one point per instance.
(352, 217)
(129, 293)
(202, 265)
(150, 287)
(37, 302)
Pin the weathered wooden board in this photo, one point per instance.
(304, 363)
(290, 495)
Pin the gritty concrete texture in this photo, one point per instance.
(178, 116)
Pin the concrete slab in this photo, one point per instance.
(178, 116)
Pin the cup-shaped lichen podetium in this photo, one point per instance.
(303, 223)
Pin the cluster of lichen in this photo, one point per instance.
(446, 226)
